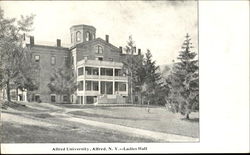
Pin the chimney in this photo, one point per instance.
(134, 50)
(32, 40)
(139, 51)
(120, 49)
(107, 38)
(58, 43)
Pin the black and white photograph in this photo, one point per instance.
(100, 72)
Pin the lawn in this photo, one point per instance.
(44, 123)
(22, 133)
(158, 119)
(32, 123)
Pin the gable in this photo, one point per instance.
(98, 48)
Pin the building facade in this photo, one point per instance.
(96, 67)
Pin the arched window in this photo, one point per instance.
(78, 36)
(88, 37)
(99, 49)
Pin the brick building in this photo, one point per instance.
(96, 64)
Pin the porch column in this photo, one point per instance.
(99, 80)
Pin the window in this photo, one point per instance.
(95, 71)
(53, 98)
(78, 36)
(66, 60)
(65, 98)
(116, 86)
(110, 59)
(103, 87)
(80, 71)
(79, 99)
(99, 49)
(89, 99)
(88, 36)
(72, 60)
(106, 87)
(109, 71)
(102, 71)
(95, 86)
(88, 71)
(109, 87)
(37, 98)
(99, 58)
(71, 37)
(136, 99)
(88, 85)
(80, 86)
(53, 60)
(37, 58)
(118, 72)
(122, 86)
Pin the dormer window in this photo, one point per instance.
(78, 36)
(88, 36)
(99, 49)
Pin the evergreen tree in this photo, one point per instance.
(183, 82)
(153, 90)
(14, 70)
(139, 76)
(133, 64)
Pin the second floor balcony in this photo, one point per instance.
(90, 72)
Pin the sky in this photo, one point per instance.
(159, 26)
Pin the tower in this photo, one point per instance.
(82, 33)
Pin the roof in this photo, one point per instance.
(96, 40)
(82, 25)
(46, 46)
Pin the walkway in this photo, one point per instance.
(163, 137)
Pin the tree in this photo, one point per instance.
(15, 66)
(135, 69)
(62, 82)
(139, 76)
(183, 82)
(153, 90)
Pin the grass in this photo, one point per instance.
(25, 123)
(158, 119)
(35, 123)
(19, 133)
